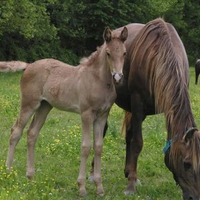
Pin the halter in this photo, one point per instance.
(169, 143)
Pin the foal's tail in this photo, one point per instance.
(7, 66)
(127, 120)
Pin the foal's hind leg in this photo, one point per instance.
(16, 132)
(32, 135)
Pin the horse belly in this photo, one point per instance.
(69, 106)
(62, 98)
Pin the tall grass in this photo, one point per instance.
(58, 154)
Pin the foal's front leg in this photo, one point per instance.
(99, 128)
(91, 178)
(87, 121)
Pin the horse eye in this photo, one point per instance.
(124, 53)
(187, 165)
(108, 54)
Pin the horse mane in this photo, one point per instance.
(88, 61)
(194, 151)
(167, 76)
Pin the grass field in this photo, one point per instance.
(58, 154)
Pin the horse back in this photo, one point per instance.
(47, 79)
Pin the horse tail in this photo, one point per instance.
(13, 66)
(126, 123)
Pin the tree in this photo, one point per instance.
(25, 24)
(66, 30)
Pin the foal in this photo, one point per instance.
(87, 89)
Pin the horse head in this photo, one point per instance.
(116, 51)
(183, 160)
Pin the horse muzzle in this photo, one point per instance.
(117, 77)
(187, 196)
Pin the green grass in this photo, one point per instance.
(57, 154)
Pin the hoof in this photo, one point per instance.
(100, 190)
(82, 193)
(8, 169)
(131, 190)
(100, 193)
(81, 186)
(129, 193)
(30, 175)
(138, 182)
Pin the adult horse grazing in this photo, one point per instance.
(197, 70)
(156, 78)
(87, 89)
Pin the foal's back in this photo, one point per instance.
(46, 80)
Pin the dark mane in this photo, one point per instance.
(167, 78)
(194, 151)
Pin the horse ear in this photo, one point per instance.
(124, 34)
(188, 136)
(107, 35)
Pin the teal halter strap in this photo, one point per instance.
(169, 142)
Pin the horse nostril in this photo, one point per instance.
(121, 75)
(117, 76)
(190, 198)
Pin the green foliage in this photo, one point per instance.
(192, 30)
(68, 30)
(27, 18)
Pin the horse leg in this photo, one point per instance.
(16, 132)
(196, 77)
(134, 144)
(99, 128)
(32, 135)
(91, 178)
(87, 118)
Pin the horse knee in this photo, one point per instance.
(31, 137)
(137, 146)
(85, 150)
(98, 149)
(15, 135)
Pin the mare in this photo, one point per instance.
(197, 70)
(156, 79)
(49, 83)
